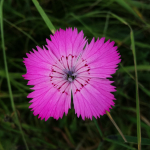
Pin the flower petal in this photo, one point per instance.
(50, 102)
(38, 65)
(102, 58)
(94, 98)
(66, 42)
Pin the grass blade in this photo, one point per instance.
(126, 6)
(130, 139)
(132, 68)
(19, 29)
(114, 123)
(122, 144)
(137, 93)
(44, 16)
(99, 130)
(136, 81)
(1, 147)
(7, 74)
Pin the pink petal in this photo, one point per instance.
(49, 102)
(66, 42)
(94, 98)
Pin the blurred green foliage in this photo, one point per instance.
(24, 28)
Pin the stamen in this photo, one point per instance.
(70, 76)
(69, 73)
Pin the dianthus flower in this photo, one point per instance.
(69, 65)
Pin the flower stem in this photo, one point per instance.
(114, 123)
(100, 132)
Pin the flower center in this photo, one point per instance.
(67, 70)
(70, 76)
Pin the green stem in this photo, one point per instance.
(7, 75)
(99, 130)
(137, 92)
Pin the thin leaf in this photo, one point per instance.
(7, 74)
(130, 139)
(44, 16)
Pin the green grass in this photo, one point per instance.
(25, 24)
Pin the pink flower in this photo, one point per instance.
(68, 65)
